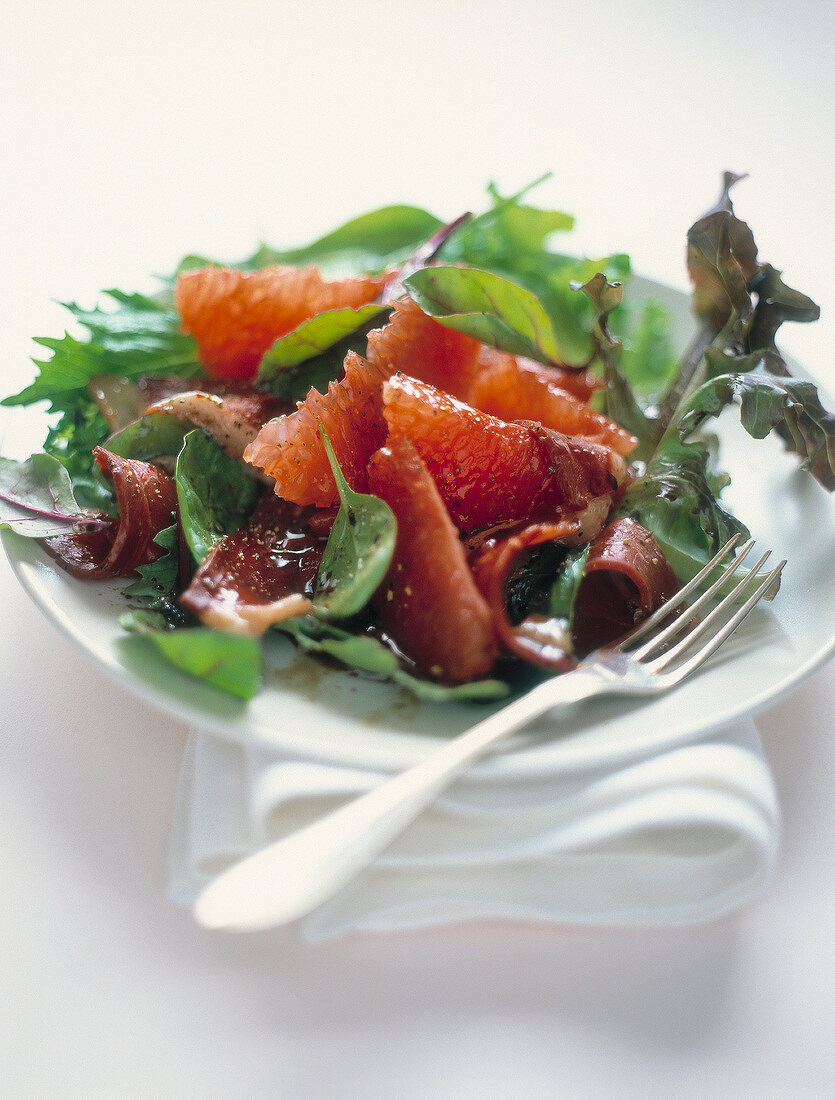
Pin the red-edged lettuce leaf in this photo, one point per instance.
(37, 500)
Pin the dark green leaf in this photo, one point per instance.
(157, 581)
(358, 551)
(367, 654)
(215, 493)
(674, 500)
(487, 306)
(768, 401)
(567, 585)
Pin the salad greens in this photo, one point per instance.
(495, 277)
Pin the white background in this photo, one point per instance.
(133, 133)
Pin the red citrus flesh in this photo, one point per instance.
(290, 448)
(235, 316)
(490, 472)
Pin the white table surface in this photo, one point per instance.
(134, 133)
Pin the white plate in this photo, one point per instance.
(333, 714)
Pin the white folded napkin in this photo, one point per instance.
(674, 838)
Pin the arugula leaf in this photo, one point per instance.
(141, 336)
(487, 306)
(312, 338)
(38, 498)
(215, 493)
(231, 662)
(358, 550)
(367, 654)
(156, 587)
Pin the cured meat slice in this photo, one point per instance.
(626, 578)
(147, 501)
(264, 572)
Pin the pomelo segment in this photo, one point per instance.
(429, 603)
(290, 448)
(235, 316)
(489, 472)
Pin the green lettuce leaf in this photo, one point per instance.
(231, 662)
(487, 306)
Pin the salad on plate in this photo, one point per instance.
(441, 454)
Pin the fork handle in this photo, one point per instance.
(291, 876)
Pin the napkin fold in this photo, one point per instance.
(674, 838)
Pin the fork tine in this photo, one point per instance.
(678, 625)
(649, 625)
(713, 620)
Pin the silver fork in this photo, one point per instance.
(290, 877)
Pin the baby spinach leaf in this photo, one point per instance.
(358, 551)
(215, 493)
(36, 498)
(487, 306)
(312, 337)
(367, 654)
(231, 662)
(150, 436)
(567, 585)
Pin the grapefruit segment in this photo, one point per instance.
(513, 389)
(235, 316)
(415, 344)
(290, 448)
(428, 602)
(489, 472)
